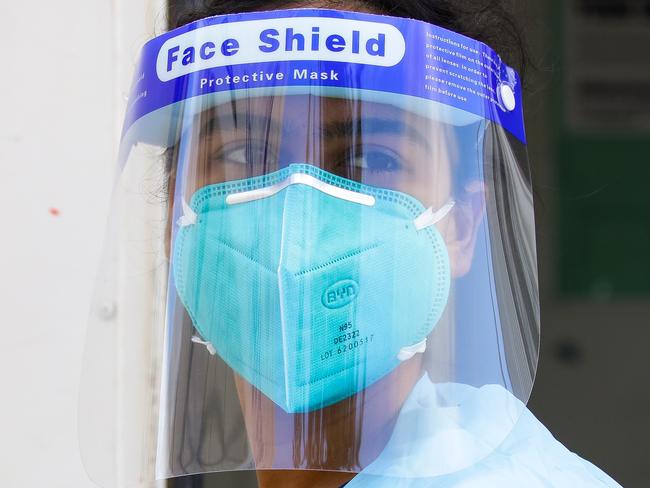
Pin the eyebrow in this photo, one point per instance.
(349, 127)
(345, 128)
(231, 120)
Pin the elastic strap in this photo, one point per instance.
(430, 217)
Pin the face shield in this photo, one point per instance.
(321, 254)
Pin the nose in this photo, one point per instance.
(303, 139)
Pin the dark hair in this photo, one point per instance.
(488, 21)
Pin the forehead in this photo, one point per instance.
(325, 114)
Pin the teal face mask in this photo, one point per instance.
(312, 287)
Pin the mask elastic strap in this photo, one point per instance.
(408, 352)
(188, 217)
(197, 340)
(430, 217)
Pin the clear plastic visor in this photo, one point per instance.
(341, 282)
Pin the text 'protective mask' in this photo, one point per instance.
(311, 286)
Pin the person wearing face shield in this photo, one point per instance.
(339, 285)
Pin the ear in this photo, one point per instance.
(464, 221)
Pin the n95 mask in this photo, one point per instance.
(310, 286)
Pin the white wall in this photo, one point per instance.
(66, 67)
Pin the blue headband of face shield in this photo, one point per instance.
(312, 287)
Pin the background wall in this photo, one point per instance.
(58, 136)
(588, 124)
(67, 66)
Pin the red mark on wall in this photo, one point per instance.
(55, 212)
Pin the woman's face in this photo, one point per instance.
(371, 143)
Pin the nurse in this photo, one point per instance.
(339, 286)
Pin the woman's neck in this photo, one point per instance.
(302, 479)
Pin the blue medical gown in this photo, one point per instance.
(452, 435)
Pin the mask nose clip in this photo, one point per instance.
(301, 179)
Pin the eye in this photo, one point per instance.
(236, 155)
(377, 160)
(248, 153)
